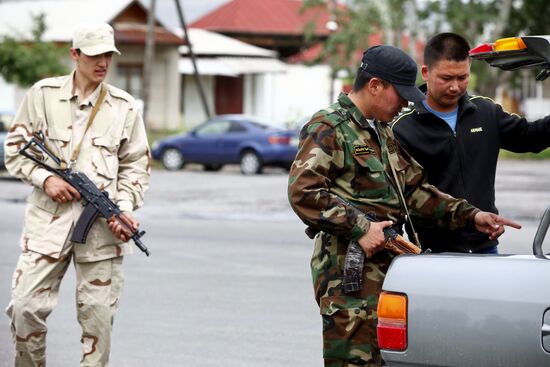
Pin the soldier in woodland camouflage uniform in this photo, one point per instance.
(115, 156)
(343, 170)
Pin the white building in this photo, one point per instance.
(129, 20)
(242, 78)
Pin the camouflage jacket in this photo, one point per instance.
(342, 171)
(114, 155)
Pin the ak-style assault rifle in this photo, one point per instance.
(352, 280)
(355, 256)
(95, 202)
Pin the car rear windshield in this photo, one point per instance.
(265, 126)
(259, 125)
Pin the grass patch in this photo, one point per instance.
(545, 154)
(154, 135)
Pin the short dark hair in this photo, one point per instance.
(363, 78)
(446, 46)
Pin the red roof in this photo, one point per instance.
(312, 53)
(279, 17)
(138, 35)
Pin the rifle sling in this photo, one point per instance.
(402, 197)
(94, 112)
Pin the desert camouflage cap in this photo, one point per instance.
(94, 39)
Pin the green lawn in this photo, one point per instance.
(153, 135)
(545, 154)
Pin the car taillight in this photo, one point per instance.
(392, 321)
(276, 139)
(485, 48)
(509, 44)
(500, 45)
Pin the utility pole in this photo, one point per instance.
(411, 24)
(198, 78)
(148, 62)
(332, 27)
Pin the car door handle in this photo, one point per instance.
(545, 330)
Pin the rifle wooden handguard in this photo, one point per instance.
(399, 246)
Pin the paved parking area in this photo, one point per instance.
(228, 280)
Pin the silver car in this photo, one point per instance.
(473, 310)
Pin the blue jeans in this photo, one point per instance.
(489, 250)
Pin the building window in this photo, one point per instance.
(130, 78)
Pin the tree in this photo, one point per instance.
(479, 21)
(529, 17)
(355, 21)
(25, 63)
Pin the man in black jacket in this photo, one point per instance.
(456, 137)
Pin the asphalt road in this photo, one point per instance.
(228, 281)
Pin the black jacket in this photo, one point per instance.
(464, 165)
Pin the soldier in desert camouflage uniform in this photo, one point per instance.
(115, 156)
(343, 170)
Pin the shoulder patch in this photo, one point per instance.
(119, 93)
(55, 82)
(330, 116)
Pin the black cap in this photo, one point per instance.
(394, 66)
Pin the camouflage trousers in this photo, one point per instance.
(349, 320)
(35, 289)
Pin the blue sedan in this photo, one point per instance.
(229, 139)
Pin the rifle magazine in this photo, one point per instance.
(352, 280)
(84, 224)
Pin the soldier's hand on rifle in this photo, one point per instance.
(59, 190)
(493, 224)
(373, 240)
(123, 226)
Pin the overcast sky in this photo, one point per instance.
(166, 9)
(192, 9)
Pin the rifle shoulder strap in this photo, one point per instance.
(94, 112)
(402, 197)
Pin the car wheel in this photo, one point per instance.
(172, 159)
(251, 163)
(212, 167)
